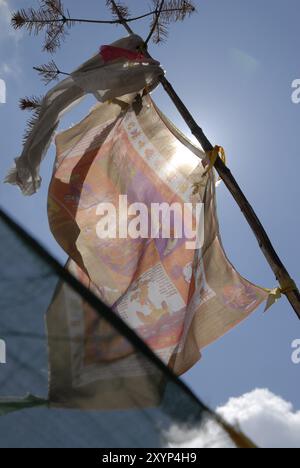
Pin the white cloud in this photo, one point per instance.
(267, 419)
(210, 435)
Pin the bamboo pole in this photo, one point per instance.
(265, 244)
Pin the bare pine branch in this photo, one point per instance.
(118, 9)
(177, 10)
(49, 72)
(31, 103)
(50, 17)
(120, 12)
(166, 12)
(30, 126)
(157, 29)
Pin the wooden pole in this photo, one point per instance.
(260, 233)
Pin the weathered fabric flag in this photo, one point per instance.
(132, 203)
(178, 297)
(126, 72)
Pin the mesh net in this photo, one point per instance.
(122, 400)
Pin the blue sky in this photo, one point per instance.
(233, 65)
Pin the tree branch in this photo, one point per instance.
(156, 21)
(91, 21)
(122, 20)
(54, 20)
(49, 72)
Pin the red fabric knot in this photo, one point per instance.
(110, 53)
